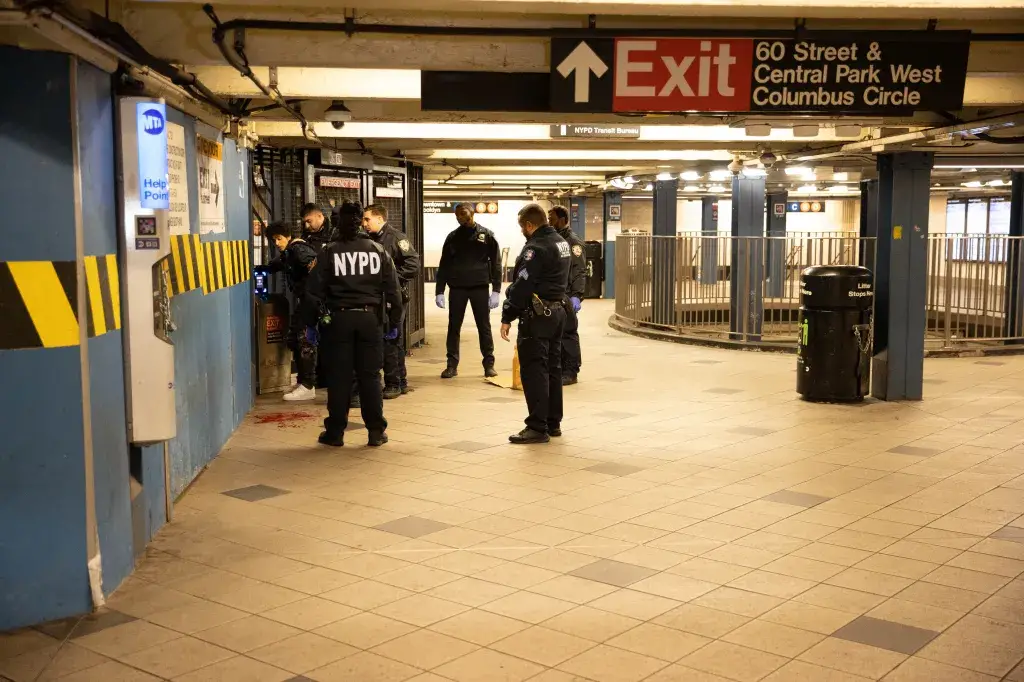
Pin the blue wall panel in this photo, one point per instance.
(42, 467)
(241, 299)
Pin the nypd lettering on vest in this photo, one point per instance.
(563, 250)
(361, 263)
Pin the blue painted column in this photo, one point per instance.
(1014, 325)
(746, 271)
(709, 240)
(904, 181)
(578, 216)
(868, 222)
(611, 230)
(776, 211)
(663, 253)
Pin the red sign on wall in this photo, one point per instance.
(682, 74)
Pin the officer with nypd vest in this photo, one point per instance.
(537, 298)
(354, 301)
(572, 357)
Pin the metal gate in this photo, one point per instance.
(336, 185)
(415, 324)
(391, 189)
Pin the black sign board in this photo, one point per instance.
(824, 72)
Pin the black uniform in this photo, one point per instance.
(536, 297)
(296, 261)
(324, 236)
(407, 266)
(572, 357)
(471, 267)
(353, 280)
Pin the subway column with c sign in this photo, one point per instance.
(149, 350)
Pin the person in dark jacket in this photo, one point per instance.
(296, 260)
(317, 230)
(407, 266)
(471, 268)
(572, 357)
(536, 297)
(354, 282)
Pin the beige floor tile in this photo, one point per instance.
(125, 639)
(702, 621)
(365, 630)
(922, 670)
(543, 645)
(365, 667)
(50, 663)
(177, 657)
(740, 602)
(485, 664)
(851, 657)
(807, 569)
(366, 594)
(667, 644)
(529, 607)
(311, 613)
(111, 671)
(841, 598)
(590, 623)
(302, 653)
(994, 632)
(238, 669)
(516, 575)
(735, 662)
(425, 649)
(973, 655)
(479, 627)
(604, 663)
(898, 566)
(651, 557)
(247, 634)
(799, 671)
(258, 598)
(809, 617)
(870, 581)
(671, 586)
(558, 560)
(709, 570)
(773, 638)
(316, 580)
(202, 615)
(772, 584)
(633, 604)
(965, 579)
(22, 642)
(950, 598)
(573, 589)
(677, 673)
(921, 551)
(915, 614)
(986, 563)
(833, 554)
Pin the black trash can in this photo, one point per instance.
(595, 269)
(834, 360)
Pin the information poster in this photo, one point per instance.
(177, 180)
(210, 160)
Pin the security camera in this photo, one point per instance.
(338, 125)
(768, 160)
(337, 114)
(736, 166)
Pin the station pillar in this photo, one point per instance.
(709, 243)
(1015, 267)
(746, 270)
(776, 209)
(611, 230)
(663, 257)
(868, 223)
(901, 261)
(578, 216)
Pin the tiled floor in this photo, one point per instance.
(697, 522)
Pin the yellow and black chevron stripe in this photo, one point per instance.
(187, 265)
(39, 302)
(227, 264)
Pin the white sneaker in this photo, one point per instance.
(300, 393)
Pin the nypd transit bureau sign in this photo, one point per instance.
(151, 129)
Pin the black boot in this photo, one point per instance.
(355, 403)
(377, 438)
(391, 392)
(568, 379)
(489, 371)
(406, 389)
(450, 372)
(527, 436)
(555, 432)
(332, 440)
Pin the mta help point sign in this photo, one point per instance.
(151, 132)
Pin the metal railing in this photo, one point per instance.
(747, 289)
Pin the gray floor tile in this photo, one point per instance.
(300, 678)
(613, 469)
(884, 634)
(752, 431)
(255, 493)
(795, 498)
(990, 363)
(85, 625)
(724, 391)
(467, 446)
(916, 452)
(1011, 533)
(706, 362)
(613, 572)
(412, 527)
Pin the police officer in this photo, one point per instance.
(351, 283)
(572, 358)
(471, 267)
(536, 297)
(317, 230)
(407, 266)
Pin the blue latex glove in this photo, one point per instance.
(492, 302)
(439, 299)
(392, 335)
(576, 304)
(312, 336)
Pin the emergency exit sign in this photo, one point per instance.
(830, 72)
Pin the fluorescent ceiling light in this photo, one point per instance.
(438, 169)
(497, 177)
(689, 176)
(721, 174)
(580, 154)
(691, 188)
(648, 187)
(629, 179)
(838, 189)
(754, 172)
(807, 188)
(799, 170)
(717, 189)
(972, 183)
(995, 183)
(665, 177)
(841, 177)
(970, 168)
